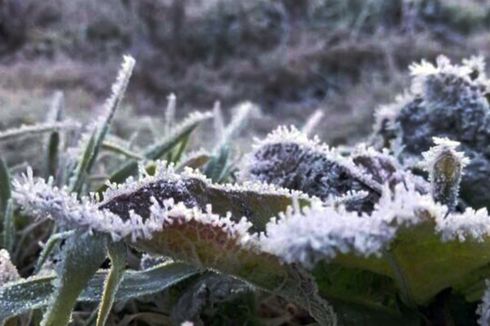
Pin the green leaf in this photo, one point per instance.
(217, 167)
(82, 256)
(91, 148)
(49, 246)
(5, 189)
(52, 149)
(17, 298)
(117, 254)
(430, 265)
(120, 150)
(9, 226)
(29, 131)
(194, 160)
(211, 246)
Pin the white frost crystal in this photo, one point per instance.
(8, 272)
(323, 232)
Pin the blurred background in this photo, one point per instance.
(291, 57)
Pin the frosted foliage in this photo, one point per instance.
(448, 100)
(484, 308)
(322, 232)
(289, 159)
(100, 125)
(42, 200)
(8, 272)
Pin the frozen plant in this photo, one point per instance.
(370, 234)
(445, 100)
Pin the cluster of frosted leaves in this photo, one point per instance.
(445, 100)
(8, 271)
(175, 229)
(288, 158)
(406, 228)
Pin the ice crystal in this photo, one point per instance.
(8, 272)
(312, 122)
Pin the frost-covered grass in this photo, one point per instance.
(392, 230)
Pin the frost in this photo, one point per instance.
(43, 200)
(30, 130)
(323, 232)
(484, 308)
(8, 272)
(109, 108)
(313, 122)
(170, 112)
(256, 201)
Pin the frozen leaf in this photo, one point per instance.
(91, 142)
(258, 202)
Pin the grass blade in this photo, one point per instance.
(97, 134)
(159, 149)
(9, 226)
(5, 189)
(53, 144)
(25, 295)
(33, 130)
(82, 256)
(117, 254)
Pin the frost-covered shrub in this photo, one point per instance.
(445, 100)
(349, 235)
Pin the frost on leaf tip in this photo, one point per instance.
(449, 83)
(8, 272)
(445, 166)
